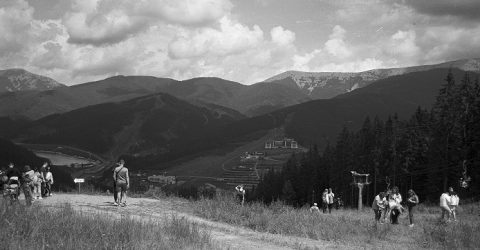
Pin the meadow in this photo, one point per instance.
(65, 228)
(349, 227)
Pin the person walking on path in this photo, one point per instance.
(48, 182)
(114, 187)
(445, 201)
(325, 200)
(122, 183)
(314, 208)
(412, 201)
(330, 200)
(37, 184)
(378, 206)
(28, 177)
(43, 172)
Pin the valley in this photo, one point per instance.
(196, 132)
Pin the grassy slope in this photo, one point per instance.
(350, 227)
(65, 228)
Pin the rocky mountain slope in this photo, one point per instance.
(324, 85)
(19, 80)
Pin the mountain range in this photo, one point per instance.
(159, 128)
(157, 120)
(287, 89)
(325, 85)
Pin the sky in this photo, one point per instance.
(76, 41)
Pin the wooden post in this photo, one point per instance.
(360, 189)
(360, 180)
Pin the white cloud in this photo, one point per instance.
(93, 39)
(186, 12)
(281, 36)
(101, 22)
(336, 45)
(229, 38)
(403, 44)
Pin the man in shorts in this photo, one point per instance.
(122, 183)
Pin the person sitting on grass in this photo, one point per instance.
(412, 201)
(122, 183)
(314, 208)
(445, 200)
(454, 200)
(378, 206)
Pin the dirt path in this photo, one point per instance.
(224, 235)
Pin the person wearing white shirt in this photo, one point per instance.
(330, 200)
(314, 208)
(394, 203)
(454, 200)
(240, 194)
(378, 205)
(445, 201)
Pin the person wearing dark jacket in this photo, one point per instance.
(27, 179)
(12, 171)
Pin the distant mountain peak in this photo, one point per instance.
(324, 85)
(16, 79)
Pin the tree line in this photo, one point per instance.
(429, 152)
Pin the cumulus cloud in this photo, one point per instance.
(281, 36)
(85, 40)
(403, 44)
(100, 22)
(15, 22)
(336, 45)
(186, 12)
(229, 38)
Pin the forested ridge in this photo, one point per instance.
(428, 152)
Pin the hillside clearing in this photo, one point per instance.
(224, 235)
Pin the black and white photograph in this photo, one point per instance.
(239, 124)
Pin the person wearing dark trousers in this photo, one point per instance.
(114, 187)
(27, 184)
(324, 200)
(378, 206)
(412, 201)
(330, 200)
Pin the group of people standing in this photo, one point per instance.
(449, 203)
(35, 183)
(328, 199)
(389, 205)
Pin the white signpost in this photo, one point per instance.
(78, 180)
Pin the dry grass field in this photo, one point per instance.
(350, 227)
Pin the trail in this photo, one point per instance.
(224, 235)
